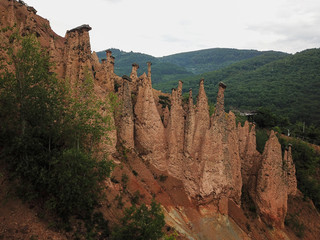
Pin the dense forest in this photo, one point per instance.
(178, 66)
(288, 85)
(207, 60)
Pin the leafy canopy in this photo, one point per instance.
(141, 223)
(50, 133)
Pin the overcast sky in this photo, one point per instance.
(164, 27)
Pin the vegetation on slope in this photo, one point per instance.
(214, 77)
(48, 136)
(182, 65)
(307, 162)
(208, 60)
(306, 158)
(161, 71)
(51, 141)
(288, 85)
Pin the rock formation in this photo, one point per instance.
(78, 53)
(149, 129)
(212, 156)
(291, 171)
(126, 126)
(271, 195)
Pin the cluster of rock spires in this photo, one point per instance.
(212, 155)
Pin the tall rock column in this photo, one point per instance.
(175, 133)
(189, 126)
(291, 172)
(125, 121)
(232, 156)
(77, 53)
(108, 71)
(135, 78)
(220, 160)
(149, 129)
(134, 72)
(220, 100)
(250, 157)
(191, 167)
(202, 120)
(149, 70)
(272, 194)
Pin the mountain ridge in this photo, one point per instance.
(180, 65)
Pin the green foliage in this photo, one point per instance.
(307, 162)
(240, 119)
(74, 183)
(212, 108)
(165, 101)
(95, 227)
(171, 236)
(261, 139)
(265, 118)
(293, 222)
(216, 75)
(207, 60)
(135, 197)
(163, 178)
(141, 223)
(287, 84)
(124, 181)
(120, 204)
(49, 132)
(309, 133)
(178, 66)
(161, 71)
(247, 200)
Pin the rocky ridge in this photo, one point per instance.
(212, 156)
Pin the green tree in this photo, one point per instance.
(51, 139)
(141, 223)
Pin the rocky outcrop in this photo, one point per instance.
(126, 118)
(149, 129)
(77, 53)
(175, 133)
(221, 174)
(290, 169)
(210, 156)
(250, 157)
(189, 126)
(272, 190)
(202, 121)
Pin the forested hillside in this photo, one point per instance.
(181, 65)
(288, 85)
(207, 60)
(161, 71)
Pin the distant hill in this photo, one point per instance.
(181, 65)
(288, 84)
(161, 71)
(207, 60)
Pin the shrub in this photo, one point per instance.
(141, 223)
(261, 139)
